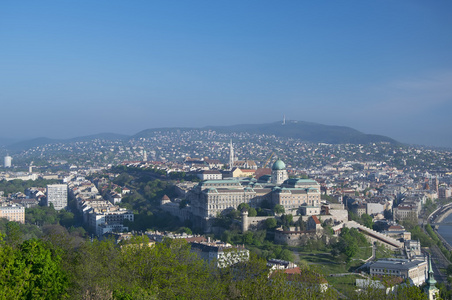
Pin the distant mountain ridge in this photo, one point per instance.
(41, 141)
(309, 132)
(305, 131)
(6, 141)
(27, 144)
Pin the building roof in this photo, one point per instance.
(210, 172)
(279, 165)
(398, 264)
(316, 220)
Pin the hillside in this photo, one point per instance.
(308, 132)
(42, 141)
(305, 131)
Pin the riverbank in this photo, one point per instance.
(444, 232)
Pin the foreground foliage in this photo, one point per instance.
(65, 266)
(32, 271)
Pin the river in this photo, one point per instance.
(446, 230)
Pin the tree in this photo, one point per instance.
(270, 223)
(123, 179)
(410, 221)
(349, 242)
(387, 214)
(185, 230)
(233, 214)
(31, 272)
(252, 212)
(14, 235)
(367, 221)
(278, 209)
(301, 224)
(287, 220)
(242, 206)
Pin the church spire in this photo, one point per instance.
(430, 289)
(431, 280)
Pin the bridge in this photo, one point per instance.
(442, 223)
(435, 219)
(439, 214)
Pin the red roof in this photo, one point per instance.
(316, 220)
(263, 171)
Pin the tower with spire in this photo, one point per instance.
(430, 289)
(231, 155)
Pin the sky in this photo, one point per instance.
(74, 68)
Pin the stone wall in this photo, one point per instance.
(295, 238)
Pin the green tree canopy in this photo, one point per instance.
(278, 209)
(31, 272)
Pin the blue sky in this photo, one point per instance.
(72, 68)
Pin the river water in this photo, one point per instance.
(446, 230)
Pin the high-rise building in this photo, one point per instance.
(8, 160)
(435, 184)
(57, 196)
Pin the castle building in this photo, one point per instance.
(212, 197)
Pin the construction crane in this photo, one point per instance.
(268, 160)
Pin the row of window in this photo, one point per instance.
(386, 271)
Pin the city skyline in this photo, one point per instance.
(76, 69)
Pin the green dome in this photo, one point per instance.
(279, 165)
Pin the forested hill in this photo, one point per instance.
(307, 131)
(304, 131)
(42, 141)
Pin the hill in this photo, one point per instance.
(27, 144)
(42, 141)
(308, 132)
(6, 141)
(100, 136)
(305, 131)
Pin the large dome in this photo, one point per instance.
(279, 165)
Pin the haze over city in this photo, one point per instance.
(77, 68)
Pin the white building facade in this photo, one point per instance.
(57, 196)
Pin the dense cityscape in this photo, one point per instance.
(351, 215)
(225, 150)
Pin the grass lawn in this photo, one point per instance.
(345, 284)
(324, 263)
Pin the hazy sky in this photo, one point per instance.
(72, 68)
